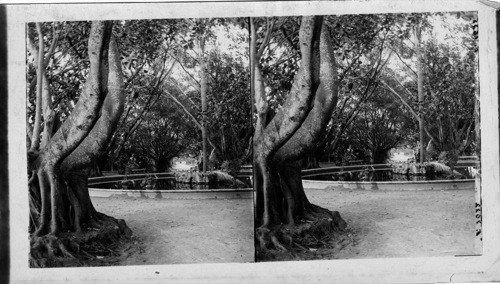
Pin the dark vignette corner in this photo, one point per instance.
(4, 181)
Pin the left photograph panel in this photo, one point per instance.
(139, 142)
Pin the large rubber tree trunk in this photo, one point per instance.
(283, 213)
(63, 220)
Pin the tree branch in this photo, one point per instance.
(267, 37)
(197, 83)
(37, 128)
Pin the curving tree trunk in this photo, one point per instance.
(63, 219)
(283, 214)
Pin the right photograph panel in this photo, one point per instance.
(366, 141)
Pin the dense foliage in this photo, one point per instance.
(161, 63)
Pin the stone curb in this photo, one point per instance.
(244, 193)
(466, 184)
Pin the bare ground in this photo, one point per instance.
(382, 224)
(403, 223)
(185, 231)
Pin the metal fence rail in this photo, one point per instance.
(342, 169)
(116, 178)
(247, 171)
(134, 177)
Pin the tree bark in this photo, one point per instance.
(72, 132)
(96, 141)
(60, 201)
(37, 128)
(46, 108)
(280, 144)
(269, 137)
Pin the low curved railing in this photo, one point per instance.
(134, 177)
(247, 172)
(229, 193)
(345, 169)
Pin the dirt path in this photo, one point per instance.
(403, 223)
(185, 231)
(386, 224)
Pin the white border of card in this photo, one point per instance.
(482, 267)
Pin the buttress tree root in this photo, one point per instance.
(65, 228)
(303, 230)
(286, 222)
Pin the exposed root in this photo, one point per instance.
(90, 247)
(50, 251)
(309, 237)
(272, 239)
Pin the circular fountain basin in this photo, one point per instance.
(462, 184)
(240, 193)
(168, 192)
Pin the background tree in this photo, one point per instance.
(162, 136)
(145, 46)
(381, 126)
(194, 38)
(450, 105)
(228, 107)
(62, 217)
(161, 61)
(359, 44)
(448, 82)
(361, 49)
